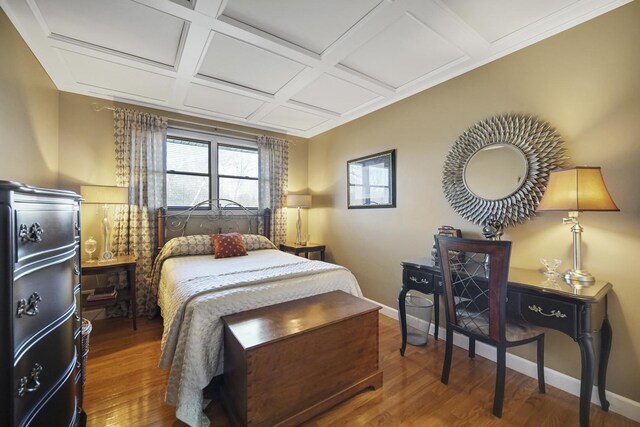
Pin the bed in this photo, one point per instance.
(195, 290)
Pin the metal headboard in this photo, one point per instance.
(224, 216)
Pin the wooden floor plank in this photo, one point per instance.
(126, 388)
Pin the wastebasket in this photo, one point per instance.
(418, 309)
(86, 331)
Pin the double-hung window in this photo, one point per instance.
(203, 166)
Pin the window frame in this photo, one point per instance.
(247, 178)
(168, 172)
(213, 140)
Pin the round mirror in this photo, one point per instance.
(495, 171)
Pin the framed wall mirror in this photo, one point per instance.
(371, 181)
(498, 169)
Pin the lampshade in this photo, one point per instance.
(104, 194)
(577, 189)
(299, 201)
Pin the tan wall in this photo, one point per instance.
(586, 83)
(87, 151)
(28, 113)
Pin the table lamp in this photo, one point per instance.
(299, 201)
(576, 190)
(104, 195)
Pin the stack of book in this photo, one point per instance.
(103, 294)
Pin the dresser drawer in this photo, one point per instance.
(77, 325)
(549, 313)
(417, 279)
(41, 297)
(43, 366)
(60, 408)
(39, 233)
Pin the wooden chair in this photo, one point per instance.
(474, 274)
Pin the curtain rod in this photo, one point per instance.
(97, 107)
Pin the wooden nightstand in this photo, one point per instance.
(299, 249)
(122, 263)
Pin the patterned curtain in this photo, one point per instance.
(274, 178)
(140, 141)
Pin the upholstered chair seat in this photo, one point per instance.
(514, 330)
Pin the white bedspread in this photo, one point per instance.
(196, 291)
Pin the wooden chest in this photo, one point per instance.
(286, 363)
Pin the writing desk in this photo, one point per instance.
(578, 312)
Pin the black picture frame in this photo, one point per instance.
(371, 181)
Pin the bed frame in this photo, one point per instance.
(212, 216)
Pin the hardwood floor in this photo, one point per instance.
(125, 388)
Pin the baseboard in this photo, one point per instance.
(619, 404)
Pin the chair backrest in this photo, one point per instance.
(475, 273)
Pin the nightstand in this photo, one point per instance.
(122, 263)
(300, 249)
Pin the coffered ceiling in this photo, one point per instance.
(299, 67)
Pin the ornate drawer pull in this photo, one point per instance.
(31, 234)
(30, 307)
(421, 281)
(554, 313)
(76, 269)
(25, 382)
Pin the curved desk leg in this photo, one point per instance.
(436, 308)
(605, 349)
(586, 380)
(403, 318)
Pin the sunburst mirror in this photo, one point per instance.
(498, 169)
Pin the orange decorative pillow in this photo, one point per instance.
(228, 245)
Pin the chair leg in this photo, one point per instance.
(540, 360)
(472, 348)
(446, 367)
(498, 397)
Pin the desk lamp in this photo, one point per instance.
(103, 195)
(299, 201)
(576, 190)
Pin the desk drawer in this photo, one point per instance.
(419, 280)
(550, 313)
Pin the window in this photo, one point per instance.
(238, 174)
(188, 172)
(203, 166)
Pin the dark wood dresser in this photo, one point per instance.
(40, 326)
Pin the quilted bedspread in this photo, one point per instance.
(196, 291)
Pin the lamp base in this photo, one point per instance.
(579, 277)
